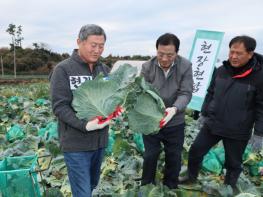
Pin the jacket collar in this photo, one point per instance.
(75, 56)
(174, 64)
(254, 64)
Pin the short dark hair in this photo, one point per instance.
(167, 39)
(90, 29)
(249, 42)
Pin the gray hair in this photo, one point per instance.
(90, 29)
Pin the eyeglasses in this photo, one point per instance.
(168, 55)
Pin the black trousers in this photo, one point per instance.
(173, 140)
(234, 150)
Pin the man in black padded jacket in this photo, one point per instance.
(232, 108)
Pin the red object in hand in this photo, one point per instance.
(169, 113)
(97, 123)
(162, 121)
(102, 119)
(117, 112)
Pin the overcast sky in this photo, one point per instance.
(132, 26)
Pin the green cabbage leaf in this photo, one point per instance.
(100, 97)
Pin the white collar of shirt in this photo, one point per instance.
(167, 71)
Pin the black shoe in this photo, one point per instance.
(171, 186)
(187, 180)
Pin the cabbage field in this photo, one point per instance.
(28, 127)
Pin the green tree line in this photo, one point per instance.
(39, 59)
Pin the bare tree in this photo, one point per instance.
(16, 34)
(19, 37)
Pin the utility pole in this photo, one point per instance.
(2, 66)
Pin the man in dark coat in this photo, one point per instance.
(233, 107)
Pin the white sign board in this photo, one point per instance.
(203, 56)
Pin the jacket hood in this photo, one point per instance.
(259, 59)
